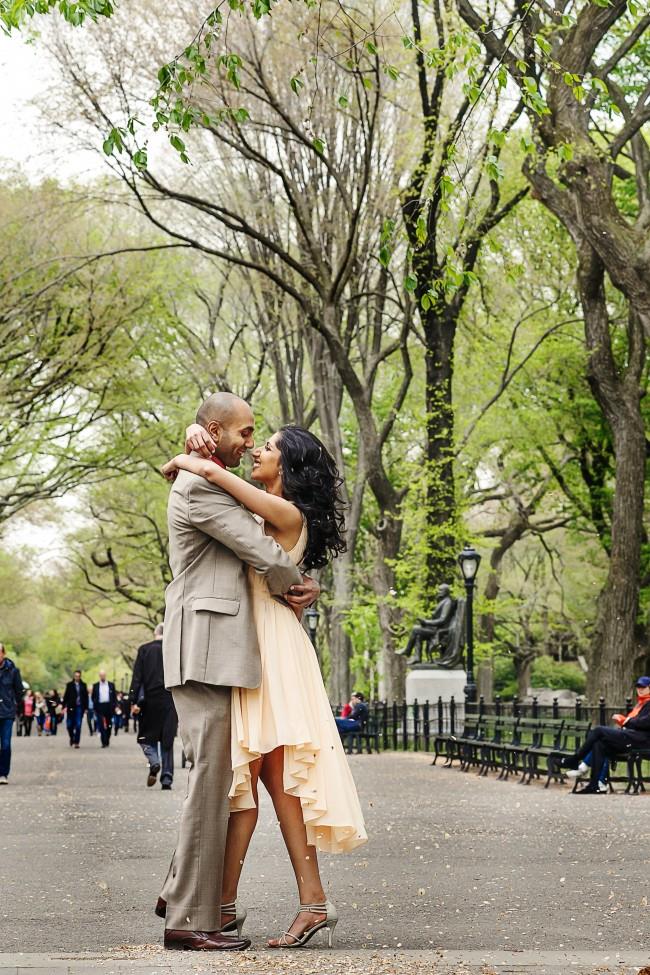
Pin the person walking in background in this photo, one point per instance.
(126, 712)
(19, 720)
(54, 709)
(58, 708)
(11, 695)
(40, 711)
(75, 702)
(90, 713)
(118, 714)
(154, 705)
(104, 700)
(27, 718)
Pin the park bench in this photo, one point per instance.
(512, 745)
(542, 739)
(495, 751)
(479, 750)
(473, 747)
(570, 736)
(633, 777)
(562, 737)
(484, 742)
(459, 746)
(634, 762)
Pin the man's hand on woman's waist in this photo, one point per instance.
(302, 596)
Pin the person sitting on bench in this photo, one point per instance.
(357, 717)
(583, 768)
(603, 742)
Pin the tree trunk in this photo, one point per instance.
(439, 334)
(516, 528)
(392, 668)
(523, 667)
(614, 648)
(615, 651)
(340, 644)
(328, 395)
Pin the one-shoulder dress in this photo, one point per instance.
(291, 708)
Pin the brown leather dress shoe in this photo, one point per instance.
(203, 941)
(161, 907)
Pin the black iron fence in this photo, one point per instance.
(413, 727)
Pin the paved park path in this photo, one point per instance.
(461, 874)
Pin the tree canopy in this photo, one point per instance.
(420, 228)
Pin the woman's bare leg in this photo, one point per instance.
(241, 826)
(304, 859)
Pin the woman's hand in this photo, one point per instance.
(198, 439)
(170, 470)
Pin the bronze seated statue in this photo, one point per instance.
(439, 641)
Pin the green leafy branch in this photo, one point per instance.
(15, 13)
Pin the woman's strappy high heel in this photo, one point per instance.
(238, 920)
(329, 922)
(231, 908)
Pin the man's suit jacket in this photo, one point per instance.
(112, 695)
(70, 696)
(210, 634)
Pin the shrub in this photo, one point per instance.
(547, 672)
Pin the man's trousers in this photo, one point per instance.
(104, 719)
(193, 885)
(74, 719)
(6, 728)
(604, 742)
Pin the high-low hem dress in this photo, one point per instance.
(291, 708)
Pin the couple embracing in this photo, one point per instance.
(244, 676)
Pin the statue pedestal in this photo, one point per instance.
(429, 683)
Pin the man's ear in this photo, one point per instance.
(215, 430)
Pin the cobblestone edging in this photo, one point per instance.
(150, 960)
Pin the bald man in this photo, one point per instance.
(210, 646)
(104, 702)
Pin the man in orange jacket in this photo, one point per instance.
(603, 742)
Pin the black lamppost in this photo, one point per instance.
(312, 616)
(469, 560)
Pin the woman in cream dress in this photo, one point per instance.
(283, 732)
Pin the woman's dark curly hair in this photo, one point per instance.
(311, 480)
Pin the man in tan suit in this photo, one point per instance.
(209, 646)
